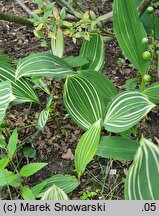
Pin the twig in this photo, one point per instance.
(79, 6)
(25, 8)
(96, 6)
(108, 17)
(68, 6)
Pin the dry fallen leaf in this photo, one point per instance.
(68, 155)
(20, 122)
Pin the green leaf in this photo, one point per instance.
(158, 63)
(6, 97)
(5, 59)
(49, 102)
(63, 13)
(102, 84)
(54, 193)
(126, 110)
(22, 89)
(93, 50)
(130, 32)
(42, 119)
(27, 194)
(3, 163)
(29, 152)
(76, 61)
(43, 65)
(78, 14)
(82, 101)
(143, 175)
(9, 178)
(31, 169)
(12, 144)
(87, 147)
(117, 148)
(66, 182)
(150, 21)
(57, 44)
(130, 84)
(152, 92)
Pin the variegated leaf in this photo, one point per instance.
(22, 89)
(66, 182)
(83, 101)
(152, 92)
(43, 65)
(57, 44)
(143, 175)
(43, 118)
(6, 97)
(93, 50)
(126, 110)
(103, 85)
(54, 193)
(87, 147)
(129, 32)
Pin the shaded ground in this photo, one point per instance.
(57, 142)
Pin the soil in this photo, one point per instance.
(57, 143)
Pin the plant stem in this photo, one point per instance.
(142, 85)
(10, 195)
(15, 19)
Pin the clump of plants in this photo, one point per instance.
(90, 98)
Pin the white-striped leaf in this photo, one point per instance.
(22, 89)
(43, 65)
(129, 32)
(82, 101)
(6, 97)
(126, 110)
(152, 92)
(143, 176)
(66, 182)
(43, 118)
(87, 147)
(57, 44)
(103, 85)
(49, 102)
(93, 50)
(54, 193)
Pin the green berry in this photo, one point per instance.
(146, 55)
(145, 40)
(150, 10)
(147, 78)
